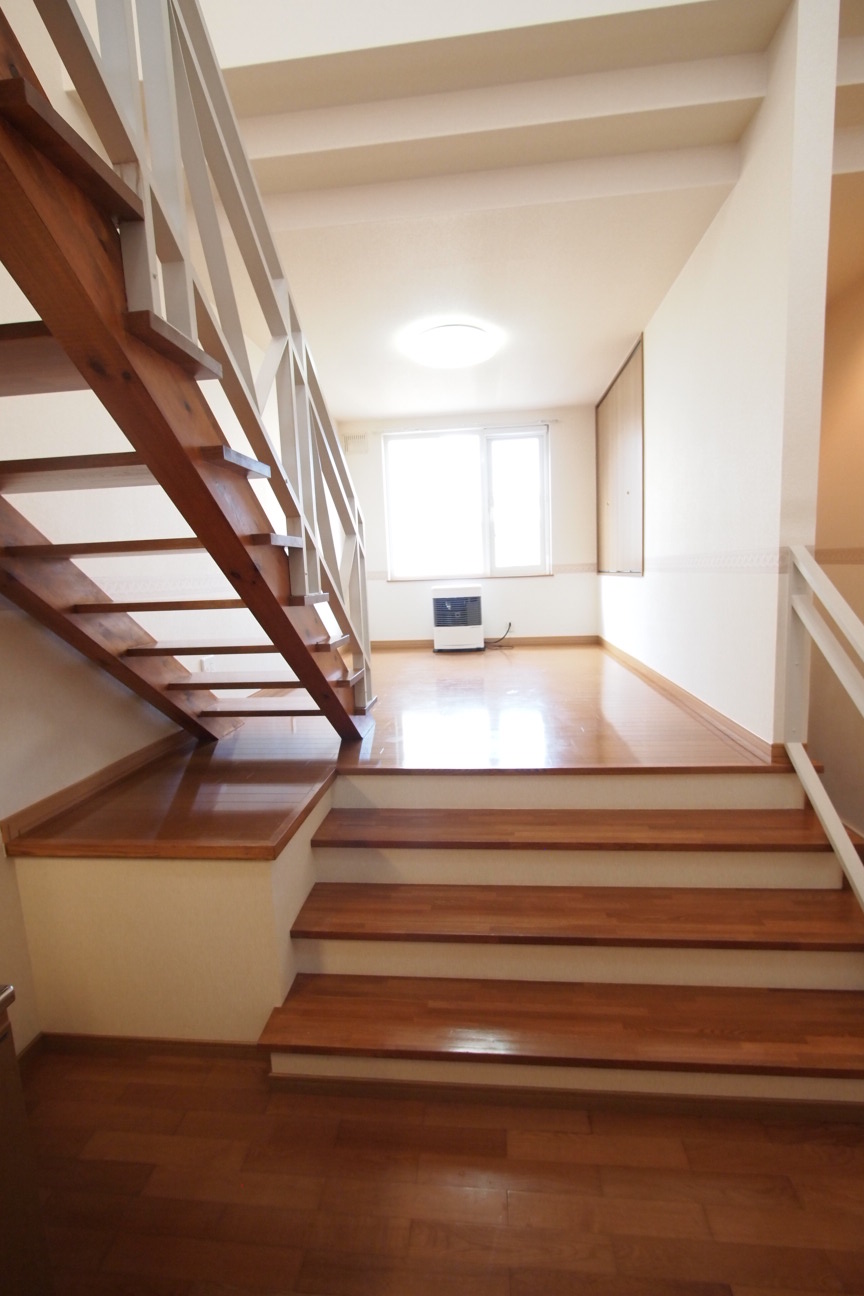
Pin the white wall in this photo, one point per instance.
(732, 381)
(563, 604)
(836, 729)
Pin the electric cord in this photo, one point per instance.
(494, 643)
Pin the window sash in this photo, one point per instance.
(443, 490)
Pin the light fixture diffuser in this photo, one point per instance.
(450, 344)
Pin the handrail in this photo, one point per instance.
(830, 597)
(803, 614)
(191, 145)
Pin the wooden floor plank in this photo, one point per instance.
(606, 1207)
(616, 916)
(749, 1031)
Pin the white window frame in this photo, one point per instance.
(485, 436)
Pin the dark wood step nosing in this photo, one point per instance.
(714, 1066)
(645, 940)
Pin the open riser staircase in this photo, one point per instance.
(675, 933)
(104, 260)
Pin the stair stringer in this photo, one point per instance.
(62, 245)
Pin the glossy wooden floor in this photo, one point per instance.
(166, 1174)
(513, 708)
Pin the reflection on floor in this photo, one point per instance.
(528, 708)
(506, 708)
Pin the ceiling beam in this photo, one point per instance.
(527, 186)
(524, 105)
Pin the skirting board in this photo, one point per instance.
(132, 1046)
(24, 820)
(758, 747)
(511, 641)
(665, 1104)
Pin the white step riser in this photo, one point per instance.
(770, 969)
(589, 1080)
(814, 870)
(500, 790)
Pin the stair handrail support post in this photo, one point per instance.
(807, 582)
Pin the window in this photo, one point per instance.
(467, 503)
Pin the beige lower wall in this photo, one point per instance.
(168, 949)
(63, 719)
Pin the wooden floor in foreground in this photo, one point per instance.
(170, 1174)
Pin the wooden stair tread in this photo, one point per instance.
(609, 916)
(326, 645)
(681, 1028)
(258, 706)
(105, 548)
(157, 545)
(183, 648)
(74, 472)
(32, 362)
(161, 605)
(574, 829)
(163, 337)
(251, 679)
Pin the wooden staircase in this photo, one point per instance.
(678, 933)
(65, 222)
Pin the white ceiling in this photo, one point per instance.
(550, 178)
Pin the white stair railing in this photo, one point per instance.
(204, 260)
(808, 582)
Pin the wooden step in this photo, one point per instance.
(32, 361)
(183, 648)
(73, 472)
(162, 605)
(133, 548)
(234, 461)
(257, 706)
(327, 645)
(251, 679)
(670, 917)
(349, 680)
(105, 548)
(636, 1027)
(170, 342)
(551, 830)
(277, 541)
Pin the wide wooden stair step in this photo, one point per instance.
(500, 830)
(801, 1033)
(675, 917)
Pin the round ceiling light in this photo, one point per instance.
(450, 345)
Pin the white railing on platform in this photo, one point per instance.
(808, 582)
(205, 261)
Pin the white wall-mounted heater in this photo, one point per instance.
(458, 618)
